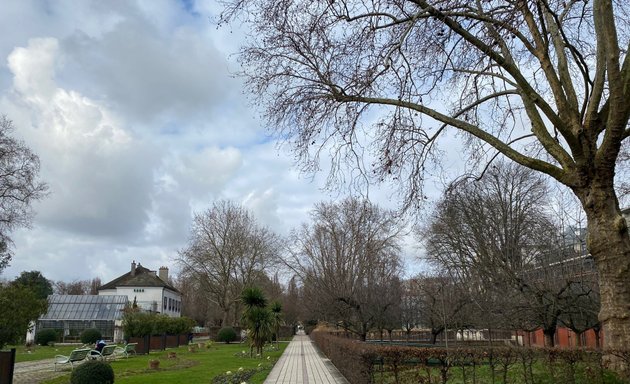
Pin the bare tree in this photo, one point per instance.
(542, 82)
(95, 284)
(442, 303)
(292, 304)
(410, 306)
(581, 311)
(347, 258)
(19, 187)
(227, 250)
(76, 287)
(194, 305)
(388, 308)
(496, 236)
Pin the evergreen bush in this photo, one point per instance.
(46, 336)
(92, 372)
(226, 335)
(90, 336)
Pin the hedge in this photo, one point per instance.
(364, 363)
(139, 324)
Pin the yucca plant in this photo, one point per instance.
(276, 318)
(257, 317)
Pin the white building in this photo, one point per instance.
(147, 289)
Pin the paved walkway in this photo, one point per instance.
(303, 363)
(31, 372)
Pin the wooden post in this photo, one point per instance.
(7, 364)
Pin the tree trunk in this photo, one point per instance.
(578, 339)
(434, 337)
(549, 337)
(597, 338)
(609, 244)
(226, 315)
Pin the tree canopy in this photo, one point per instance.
(20, 305)
(36, 282)
(228, 250)
(348, 260)
(497, 238)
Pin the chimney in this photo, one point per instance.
(163, 274)
(133, 268)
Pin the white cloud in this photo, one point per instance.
(88, 158)
(138, 123)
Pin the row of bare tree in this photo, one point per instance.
(384, 86)
(501, 258)
(497, 240)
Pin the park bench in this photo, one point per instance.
(126, 350)
(75, 356)
(107, 351)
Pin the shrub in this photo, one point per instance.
(92, 372)
(138, 324)
(90, 336)
(226, 335)
(160, 324)
(180, 325)
(46, 336)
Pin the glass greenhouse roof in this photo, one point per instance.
(84, 307)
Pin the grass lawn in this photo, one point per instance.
(199, 366)
(37, 352)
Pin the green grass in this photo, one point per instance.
(37, 352)
(188, 367)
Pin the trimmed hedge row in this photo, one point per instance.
(138, 324)
(363, 363)
(355, 360)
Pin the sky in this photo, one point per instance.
(139, 122)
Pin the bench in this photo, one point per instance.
(75, 356)
(107, 351)
(126, 350)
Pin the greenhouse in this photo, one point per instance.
(71, 314)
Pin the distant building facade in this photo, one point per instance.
(146, 289)
(149, 291)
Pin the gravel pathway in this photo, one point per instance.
(33, 372)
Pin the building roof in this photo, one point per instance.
(85, 307)
(139, 276)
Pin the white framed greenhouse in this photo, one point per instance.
(72, 314)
